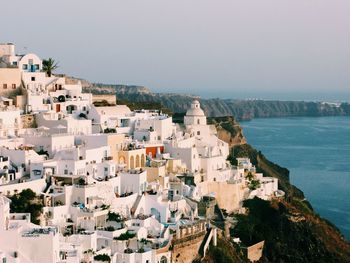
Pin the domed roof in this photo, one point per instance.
(195, 109)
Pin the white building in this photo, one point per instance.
(10, 121)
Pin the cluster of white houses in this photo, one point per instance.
(115, 183)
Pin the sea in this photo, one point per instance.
(316, 150)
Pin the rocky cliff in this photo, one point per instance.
(241, 109)
(292, 230)
(228, 130)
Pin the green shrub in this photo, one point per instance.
(102, 257)
(125, 236)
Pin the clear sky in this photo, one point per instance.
(213, 48)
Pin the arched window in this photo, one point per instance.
(137, 161)
(132, 162)
(142, 160)
(122, 160)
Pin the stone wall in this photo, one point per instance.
(187, 250)
(228, 196)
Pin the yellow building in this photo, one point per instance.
(116, 142)
(156, 170)
(132, 159)
(10, 80)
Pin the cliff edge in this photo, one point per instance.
(292, 230)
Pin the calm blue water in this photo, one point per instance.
(317, 153)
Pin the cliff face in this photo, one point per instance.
(228, 130)
(241, 109)
(292, 231)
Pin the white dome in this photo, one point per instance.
(195, 109)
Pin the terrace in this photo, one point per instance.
(36, 232)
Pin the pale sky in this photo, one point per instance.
(212, 48)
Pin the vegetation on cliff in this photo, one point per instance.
(292, 231)
(224, 252)
(290, 235)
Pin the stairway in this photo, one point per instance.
(136, 204)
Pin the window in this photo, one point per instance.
(4, 86)
(14, 63)
(33, 78)
(198, 133)
(13, 86)
(65, 171)
(198, 121)
(36, 66)
(25, 66)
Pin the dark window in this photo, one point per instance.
(25, 66)
(13, 86)
(198, 133)
(4, 86)
(33, 78)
